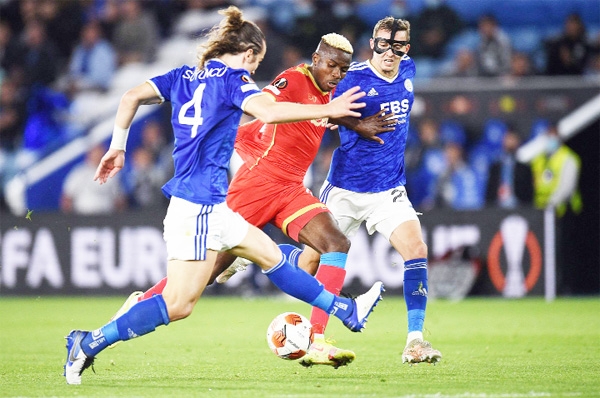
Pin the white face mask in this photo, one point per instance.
(552, 144)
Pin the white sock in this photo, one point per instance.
(414, 335)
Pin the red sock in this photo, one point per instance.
(156, 289)
(333, 279)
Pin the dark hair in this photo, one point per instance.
(232, 36)
(388, 23)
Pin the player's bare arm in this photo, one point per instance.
(369, 126)
(114, 159)
(264, 108)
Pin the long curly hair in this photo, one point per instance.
(233, 35)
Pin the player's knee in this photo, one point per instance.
(334, 244)
(343, 244)
(418, 249)
(269, 256)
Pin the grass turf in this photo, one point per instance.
(491, 348)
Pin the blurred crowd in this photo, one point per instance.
(444, 171)
(53, 52)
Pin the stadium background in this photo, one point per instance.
(43, 251)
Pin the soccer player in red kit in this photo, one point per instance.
(268, 187)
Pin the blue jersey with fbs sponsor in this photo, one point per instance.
(207, 105)
(362, 165)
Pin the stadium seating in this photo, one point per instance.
(528, 23)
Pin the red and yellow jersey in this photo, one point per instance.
(285, 151)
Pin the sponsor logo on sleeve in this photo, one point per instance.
(280, 83)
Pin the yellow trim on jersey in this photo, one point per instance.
(304, 70)
(299, 213)
(266, 152)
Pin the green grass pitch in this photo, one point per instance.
(491, 348)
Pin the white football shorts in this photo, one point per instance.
(382, 211)
(190, 229)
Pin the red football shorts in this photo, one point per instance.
(289, 205)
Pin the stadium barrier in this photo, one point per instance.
(490, 252)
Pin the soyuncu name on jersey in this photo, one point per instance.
(204, 73)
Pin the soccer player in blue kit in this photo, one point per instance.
(366, 178)
(207, 104)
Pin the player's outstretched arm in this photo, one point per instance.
(264, 108)
(370, 126)
(109, 166)
(114, 159)
(345, 104)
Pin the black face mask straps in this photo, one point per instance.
(389, 45)
(390, 42)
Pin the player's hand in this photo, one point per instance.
(345, 104)
(109, 166)
(381, 122)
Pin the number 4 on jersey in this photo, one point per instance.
(196, 103)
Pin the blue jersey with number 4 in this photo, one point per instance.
(206, 111)
(361, 165)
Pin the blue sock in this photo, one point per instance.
(303, 286)
(415, 292)
(291, 253)
(341, 307)
(141, 319)
(335, 259)
(295, 282)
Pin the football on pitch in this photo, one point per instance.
(290, 335)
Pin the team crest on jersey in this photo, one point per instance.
(247, 79)
(280, 83)
(408, 85)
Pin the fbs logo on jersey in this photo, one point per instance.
(280, 83)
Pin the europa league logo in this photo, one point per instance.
(515, 237)
(514, 231)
